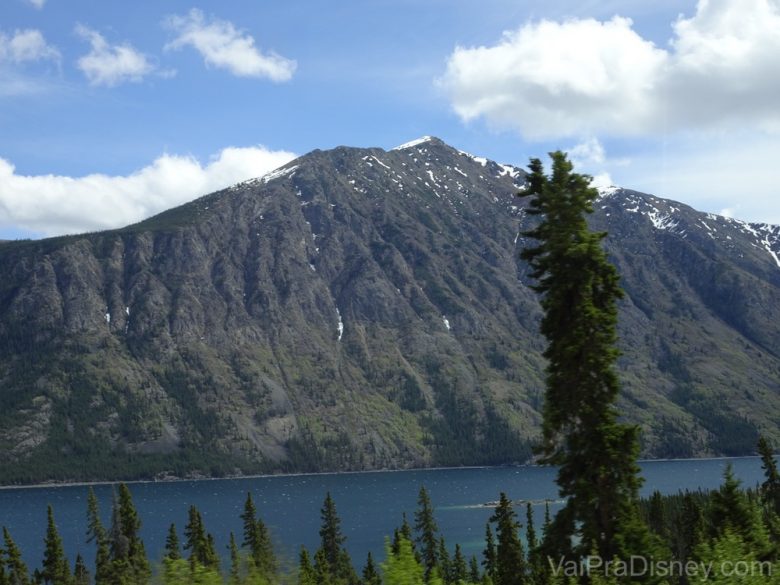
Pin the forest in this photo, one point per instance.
(729, 535)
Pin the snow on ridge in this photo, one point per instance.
(413, 143)
(608, 191)
(480, 159)
(275, 174)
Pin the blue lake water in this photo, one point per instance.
(370, 504)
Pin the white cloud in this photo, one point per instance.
(111, 65)
(54, 205)
(25, 46)
(223, 46)
(583, 77)
(589, 152)
(38, 4)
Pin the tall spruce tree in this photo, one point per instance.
(235, 564)
(172, 551)
(370, 574)
(332, 540)
(731, 510)
(130, 524)
(536, 563)
(80, 572)
(198, 543)
(459, 570)
(770, 489)
(96, 533)
(56, 570)
(306, 572)
(489, 554)
(17, 573)
(691, 528)
(257, 540)
(596, 454)
(510, 559)
(444, 569)
(474, 576)
(427, 532)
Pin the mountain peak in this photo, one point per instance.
(417, 141)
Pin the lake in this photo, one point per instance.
(370, 504)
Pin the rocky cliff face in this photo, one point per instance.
(362, 309)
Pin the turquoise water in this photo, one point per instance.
(370, 504)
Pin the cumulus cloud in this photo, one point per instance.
(589, 152)
(223, 46)
(590, 157)
(583, 76)
(55, 205)
(25, 46)
(111, 65)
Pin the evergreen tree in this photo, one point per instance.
(235, 564)
(427, 530)
(338, 562)
(536, 563)
(530, 531)
(130, 562)
(211, 559)
(55, 566)
(370, 574)
(80, 572)
(172, 551)
(306, 572)
(257, 540)
(510, 560)
(731, 510)
(444, 568)
(489, 554)
(657, 516)
(770, 489)
(322, 570)
(596, 454)
(403, 568)
(459, 571)
(119, 547)
(17, 570)
(96, 533)
(474, 576)
(199, 543)
(691, 527)
(406, 530)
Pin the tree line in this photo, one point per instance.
(703, 527)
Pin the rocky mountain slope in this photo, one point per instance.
(362, 309)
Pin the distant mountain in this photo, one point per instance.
(364, 309)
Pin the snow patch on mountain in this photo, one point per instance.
(413, 143)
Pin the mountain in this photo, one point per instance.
(363, 309)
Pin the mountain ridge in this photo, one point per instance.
(361, 309)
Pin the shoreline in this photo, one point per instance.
(86, 483)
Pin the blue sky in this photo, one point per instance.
(112, 111)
